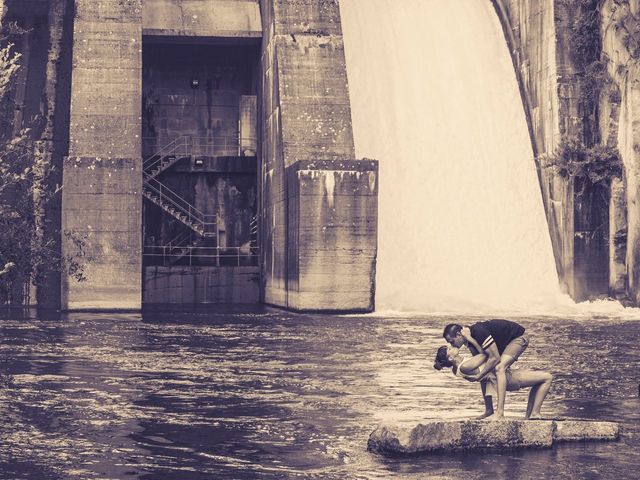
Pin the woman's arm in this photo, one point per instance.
(466, 333)
(470, 365)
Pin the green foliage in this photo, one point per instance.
(598, 164)
(9, 64)
(595, 77)
(584, 33)
(22, 253)
(585, 45)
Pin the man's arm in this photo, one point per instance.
(492, 361)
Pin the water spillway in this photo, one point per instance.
(435, 99)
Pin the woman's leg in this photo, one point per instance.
(531, 401)
(541, 394)
(488, 401)
(540, 382)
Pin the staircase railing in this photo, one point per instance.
(170, 153)
(171, 202)
(196, 255)
(179, 240)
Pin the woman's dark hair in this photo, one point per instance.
(442, 359)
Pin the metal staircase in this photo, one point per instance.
(169, 201)
(170, 154)
(181, 246)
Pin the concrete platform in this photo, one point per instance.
(468, 435)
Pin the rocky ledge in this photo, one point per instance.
(467, 435)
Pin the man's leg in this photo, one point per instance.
(508, 358)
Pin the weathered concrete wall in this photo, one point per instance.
(620, 22)
(332, 222)
(537, 33)
(102, 176)
(203, 18)
(210, 113)
(306, 118)
(201, 285)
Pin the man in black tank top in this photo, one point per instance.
(502, 341)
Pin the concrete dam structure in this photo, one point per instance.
(206, 151)
(207, 154)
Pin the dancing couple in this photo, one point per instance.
(495, 345)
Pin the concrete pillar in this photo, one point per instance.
(319, 204)
(248, 125)
(102, 174)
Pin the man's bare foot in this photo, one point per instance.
(493, 417)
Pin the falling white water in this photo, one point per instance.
(435, 99)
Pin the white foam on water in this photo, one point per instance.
(435, 99)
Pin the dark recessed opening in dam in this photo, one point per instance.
(199, 151)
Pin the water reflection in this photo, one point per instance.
(266, 394)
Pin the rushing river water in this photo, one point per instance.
(269, 394)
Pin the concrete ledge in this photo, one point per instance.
(576, 430)
(211, 18)
(182, 285)
(331, 230)
(468, 435)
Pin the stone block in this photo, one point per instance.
(200, 285)
(110, 285)
(576, 430)
(102, 202)
(106, 49)
(329, 301)
(331, 247)
(312, 68)
(112, 219)
(87, 80)
(321, 17)
(469, 435)
(110, 11)
(204, 18)
(107, 58)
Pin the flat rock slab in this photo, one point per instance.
(468, 435)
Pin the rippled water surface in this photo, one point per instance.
(269, 394)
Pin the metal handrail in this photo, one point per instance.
(209, 146)
(215, 253)
(166, 150)
(179, 240)
(193, 214)
(195, 145)
(179, 148)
